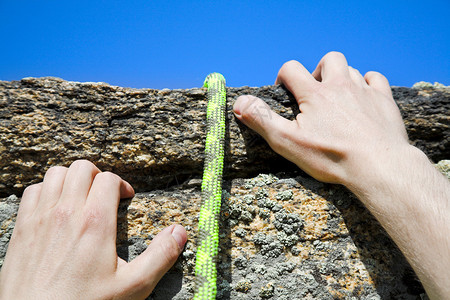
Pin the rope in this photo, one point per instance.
(208, 226)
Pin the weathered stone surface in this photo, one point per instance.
(444, 167)
(304, 238)
(155, 138)
(283, 236)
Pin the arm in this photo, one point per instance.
(350, 132)
(64, 242)
(410, 198)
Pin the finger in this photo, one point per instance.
(104, 181)
(256, 114)
(356, 76)
(333, 66)
(52, 187)
(379, 82)
(103, 201)
(294, 76)
(139, 277)
(78, 181)
(29, 201)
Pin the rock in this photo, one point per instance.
(155, 138)
(428, 85)
(340, 251)
(283, 234)
(444, 167)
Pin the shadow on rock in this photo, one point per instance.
(129, 247)
(392, 275)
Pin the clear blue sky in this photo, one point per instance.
(175, 44)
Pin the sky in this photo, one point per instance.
(175, 44)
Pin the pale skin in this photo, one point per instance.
(64, 242)
(349, 132)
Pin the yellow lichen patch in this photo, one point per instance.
(150, 215)
(6, 223)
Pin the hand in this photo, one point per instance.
(346, 123)
(350, 132)
(64, 242)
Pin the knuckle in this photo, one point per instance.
(373, 74)
(92, 218)
(55, 171)
(369, 74)
(287, 67)
(83, 164)
(291, 63)
(108, 177)
(32, 189)
(332, 55)
(61, 214)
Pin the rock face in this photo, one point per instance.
(283, 236)
(155, 138)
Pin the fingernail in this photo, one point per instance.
(179, 234)
(240, 104)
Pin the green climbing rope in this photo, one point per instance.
(208, 225)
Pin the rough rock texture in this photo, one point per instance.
(155, 138)
(283, 236)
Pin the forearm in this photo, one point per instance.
(410, 198)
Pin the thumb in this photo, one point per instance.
(138, 278)
(256, 114)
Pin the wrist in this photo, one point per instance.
(409, 197)
(386, 171)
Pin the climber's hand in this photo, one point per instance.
(350, 131)
(347, 124)
(64, 241)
